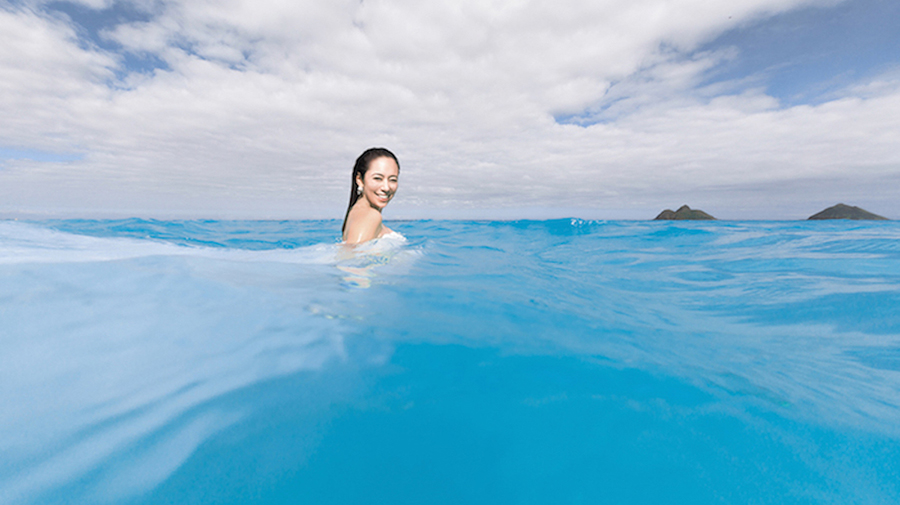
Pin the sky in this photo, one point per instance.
(496, 109)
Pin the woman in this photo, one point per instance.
(374, 182)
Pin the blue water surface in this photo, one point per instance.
(564, 361)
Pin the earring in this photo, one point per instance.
(359, 190)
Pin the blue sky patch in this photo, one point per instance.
(7, 154)
(91, 23)
(805, 56)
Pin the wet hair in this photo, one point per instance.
(360, 169)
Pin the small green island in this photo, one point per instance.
(841, 211)
(683, 213)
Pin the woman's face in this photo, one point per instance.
(380, 182)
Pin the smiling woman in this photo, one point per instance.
(373, 184)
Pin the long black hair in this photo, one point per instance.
(360, 169)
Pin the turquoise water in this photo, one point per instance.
(565, 361)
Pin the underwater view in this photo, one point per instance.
(521, 362)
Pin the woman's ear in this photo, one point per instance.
(359, 181)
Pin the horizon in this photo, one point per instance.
(506, 215)
(748, 110)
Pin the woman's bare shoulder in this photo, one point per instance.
(362, 227)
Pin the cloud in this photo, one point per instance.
(260, 108)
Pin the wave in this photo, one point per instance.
(118, 346)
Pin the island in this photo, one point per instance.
(684, 213)
(841, 211)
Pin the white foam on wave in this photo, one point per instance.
(27, 243)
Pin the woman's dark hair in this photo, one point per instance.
(360, 169)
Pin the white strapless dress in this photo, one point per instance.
(384, 243)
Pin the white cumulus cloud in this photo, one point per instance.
(259, 109)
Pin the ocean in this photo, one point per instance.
(520, 362)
